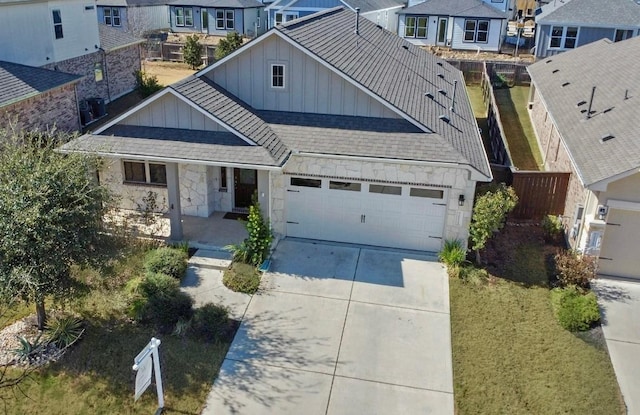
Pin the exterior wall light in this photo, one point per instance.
(461, 200)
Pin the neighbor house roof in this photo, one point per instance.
(594, 13)
(125, 3)
(397, 72)
(607, 143)
(113, 39)
(19, 82)
(367, 6)
(456, 8)
(232, 4)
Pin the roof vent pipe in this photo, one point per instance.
(593, 92)
(357, 20)
(453, 98)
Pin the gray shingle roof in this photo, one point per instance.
(232, 4)
(169, 143)
(609, 13)
(112, 39)
(613, 69)
(125, 3)
(372, 5)
(358, 136)
(18, 82)
(396, 71)
(230, 110)
(458, 8)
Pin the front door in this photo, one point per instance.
(441, 39)
(205, 20)
(245, 185)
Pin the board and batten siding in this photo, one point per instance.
(144, 18)
(493, 42)
(171, 112)
(309, 86)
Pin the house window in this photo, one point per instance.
(416, 27)
(258, 19)
(476, 31)
(112, 16)
(577, 222)
(563, 37)
(57, 24)
(277, 76)
(223, 178)
(184, 16)
(146, 173)
(285, 17)
(98, 72)
(622, 35)
(224, 20)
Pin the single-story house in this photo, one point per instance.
(344, 131)
(218, 17)
(568, 24)
(134, 16)
(584, 110)
(37, 98)
(458, 24)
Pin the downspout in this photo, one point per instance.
(106, 72)
(75, 94)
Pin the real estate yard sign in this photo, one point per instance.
(143, 363)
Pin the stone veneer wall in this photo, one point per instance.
(556, 158)
(84, 65)
(56, 107)
(195, 187)
(458, 217)
(121, 65)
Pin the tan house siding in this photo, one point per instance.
(56, 107)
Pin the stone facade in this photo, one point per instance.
(56, 107)
(121, 64)
(455, 179)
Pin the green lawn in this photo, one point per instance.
(480, 112)
(512, 104)
(510, 356)
(95, 376)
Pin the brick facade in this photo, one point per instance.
(121, 64)
(85, 65)
(56, 107)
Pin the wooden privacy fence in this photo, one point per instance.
(539, 193)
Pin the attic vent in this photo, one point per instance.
(429, 95)
(444, 118)
(581, 103)
(442, 91)
(566, 84)
(405, 47)
(439, 63)
(607, 137)
(441, 76)
(555, 71)
(548, 61)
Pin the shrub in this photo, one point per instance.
(231, 42)
(452, 254)
(146, 84)
(574, 310)
(192, 52)
(64, 330)
(575, 269)
(211, 322)
(29, 351)
(160, 302)
(169, 261)
(469, 274)
(255, 249)
(552, 227)
(242, 278)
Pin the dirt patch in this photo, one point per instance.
(167, 72)
(447, 53)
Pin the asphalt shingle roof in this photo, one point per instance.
(232, 4)
(610, 13)
(373, 5)
(457, 8)
(19, 82)
(399, 73)
(613, 69)
(113, 39)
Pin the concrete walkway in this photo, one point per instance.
(620, 308)
(338, 329)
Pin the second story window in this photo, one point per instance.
(57, 24)
(112, 16)
(277, 76)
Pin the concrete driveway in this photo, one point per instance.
(339, 329)
(620, 308)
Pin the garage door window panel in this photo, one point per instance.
(350, 186)
(302, 182)
(428, 193)
(385, 190)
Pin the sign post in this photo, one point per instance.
(143, 363)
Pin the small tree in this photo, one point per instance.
(489, 213)
(51, 216)
(255, 248)
(146, 84)
(192, 52)
(227, 45)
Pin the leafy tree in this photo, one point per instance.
(192, 52)
(227, 45)
(489, 213)
(146, 84)
(51, 216)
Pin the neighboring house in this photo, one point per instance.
(344, 131)
(381, 12)
(218, 17)
(134, 16)
(458, 24)
(37, 98)
(584, 109)
(64, 36)
(568, 24)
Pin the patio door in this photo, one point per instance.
(204, 16)
(441, 36)
(245, 184)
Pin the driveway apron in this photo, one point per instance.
(341, 329)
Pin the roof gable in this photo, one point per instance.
(609, 13)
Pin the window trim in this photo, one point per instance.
(284, 17)
(57, 25)
(188, 16)
(476, 30)
(563, 37)
(147, 173)
(222, 19)
(273, 76)
(416, 26)
(180, 16)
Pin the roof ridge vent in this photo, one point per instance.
(607, 137)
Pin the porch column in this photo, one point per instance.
(175, 211)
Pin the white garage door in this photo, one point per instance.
(409, 217)
(619, 250)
